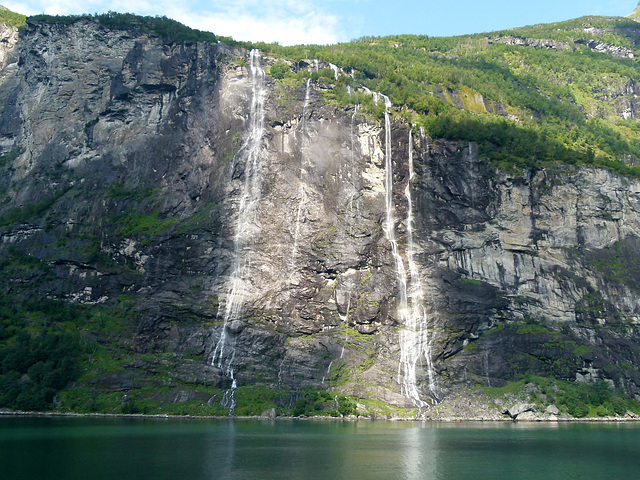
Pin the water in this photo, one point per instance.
(413, 338)
(354, 166)
(336, 70)
(418, 343)
(247, 226)
(123, 449)
(293, 269)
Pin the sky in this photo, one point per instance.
(290, 22)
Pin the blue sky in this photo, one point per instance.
(330, 21)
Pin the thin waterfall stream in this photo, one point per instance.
(246, 228)
(301, 190)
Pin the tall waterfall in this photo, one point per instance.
(301, 191)
(418, 345)
(246, 228)
(414, 337)
(354, 166)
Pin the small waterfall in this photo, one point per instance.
(485, 364)
(328, 371)
(345, 319)
(280, 369)
(246, 228)
(306, 104)
(335, 69)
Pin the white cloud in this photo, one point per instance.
(285, 21)
(286, 30)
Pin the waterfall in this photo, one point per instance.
(354, 169)
(419, 345)
(328, 371)
(485, 364)
(306, 104)
(345, 319)
(246, 228)
(301, 191)
(335, 69)
(413, 338)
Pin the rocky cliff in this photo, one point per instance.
(227, 231)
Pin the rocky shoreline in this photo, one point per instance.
(269, 417)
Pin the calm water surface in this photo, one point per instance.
(156, 449)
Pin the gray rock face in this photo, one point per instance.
(131, 156)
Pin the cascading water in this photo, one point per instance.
(336, 70)
(354, 169)
(301, 191)
(246, 228)
(419, 345)
(345, 320)
(413, 338)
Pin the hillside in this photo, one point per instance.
(400, 226)
(564, 92)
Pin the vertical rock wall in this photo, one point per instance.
(135, 149)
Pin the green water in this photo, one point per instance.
(156, 449)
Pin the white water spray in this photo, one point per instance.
(246, 228)
(345, 319)
(335, 69)
(419, 346)
(413, 338)
(328, 371)
(301, 191)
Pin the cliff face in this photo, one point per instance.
(257, 234)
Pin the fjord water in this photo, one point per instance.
(136, 448)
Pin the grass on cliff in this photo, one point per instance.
(580, 400)
(167, 29)
(526, 105)
(12, 19)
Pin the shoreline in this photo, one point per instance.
(626, 419)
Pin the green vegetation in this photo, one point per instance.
(38, 357)
(142, 224)
(12, 19)
(121, 191)
(579, 400)
(319, 402)
(31, 210)
(34, 368)
(279, 70)
(56, 356)
(167, 29)
(525, 104)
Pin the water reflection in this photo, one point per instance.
(80, 448)
(420, 453)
